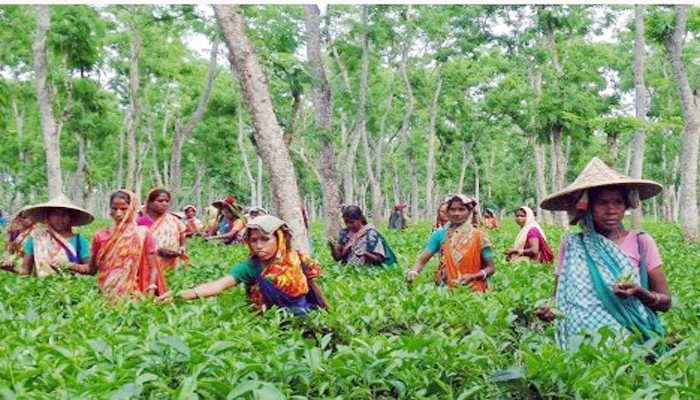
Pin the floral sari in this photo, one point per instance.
(591, 266)
(51, 252)
(167, 229)
(287, 282)
(122, 260)
(368, 240)
(460, 255)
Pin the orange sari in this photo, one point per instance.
(122, 259)
(461, 255)
(167, 230)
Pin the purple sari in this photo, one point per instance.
(298, 306)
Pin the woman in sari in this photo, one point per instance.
(19, 231)
(606, 276)
(124, 256)
(360, 243)
(531, 242)
(193, 226)
(442, 217)
(166, 228)
(229, 224)
(465, 252)
(55, 247)
(488, 220)
(274, 274)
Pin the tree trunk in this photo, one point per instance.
(613, 146)
(120, 172)
(538, 150)
(640, 105)
(405, 126)
(259, 185)
(430, 170)
(463, 168)
(181, 131)
(559, 166)
(48, 122)
(690, 105)
(154, 158)
(80, 188)
(323, 113)
(350, 155)
(540, 181)
(198, 187)
(134, 108)
(273, 150)
(244, 156)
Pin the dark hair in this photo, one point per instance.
(157, 192)
(119, 195)
(354, 213)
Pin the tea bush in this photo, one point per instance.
(381, 339)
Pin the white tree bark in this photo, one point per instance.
(350, 155)
(430, 168)
(323, 122)
(405, 127)
(690, 105)
(48, 122)
(640, 105)
(134, 107)
(273, 149)
(181, 131)
(244, 156)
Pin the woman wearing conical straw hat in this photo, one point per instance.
(55, 247)
(607, 276)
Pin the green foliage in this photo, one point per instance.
(381, 338)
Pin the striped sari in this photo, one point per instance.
(51, 252)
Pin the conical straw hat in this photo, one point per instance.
(80, 215)
(597, 174)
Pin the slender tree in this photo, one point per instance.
(48, 122)
(268, 134)
(323, 112)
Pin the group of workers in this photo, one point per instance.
(605, 275)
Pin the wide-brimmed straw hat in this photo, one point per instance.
(80, 215)
(598, 174)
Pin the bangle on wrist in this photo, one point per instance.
(484, 274)
(196, 293)
(657, 299)
(152, 286)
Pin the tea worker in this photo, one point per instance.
(273, 275)
(124, 256)
(167, 229)
(19, 231)
(606, 275)
(359, 243)
(55, 247)
(465, 251)
(531, 242)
